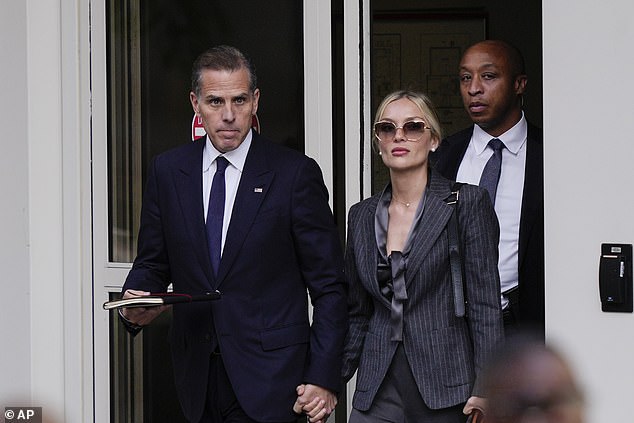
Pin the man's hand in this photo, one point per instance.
(316, 402)
(140, 316)
(475, 402)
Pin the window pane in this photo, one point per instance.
(141, 374)
(124, 126)
(151, 47)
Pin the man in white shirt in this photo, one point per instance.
(492, 82)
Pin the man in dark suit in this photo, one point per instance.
(241, 357)
(492, 82)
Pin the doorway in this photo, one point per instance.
(418, 44)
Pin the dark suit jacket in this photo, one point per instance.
(281, 241)
(531, 236)
(445, 352)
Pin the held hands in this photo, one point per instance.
(316, 402)
(140, 316)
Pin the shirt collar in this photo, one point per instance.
(235, 157)
(513, 139)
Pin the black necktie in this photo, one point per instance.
(215, 213)
(491, 173)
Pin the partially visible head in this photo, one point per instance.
(224, 95)
(225, 58)
(531, 382)
(492, 82)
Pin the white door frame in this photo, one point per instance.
(108, 276)
(356, 17)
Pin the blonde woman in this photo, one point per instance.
(416, 361)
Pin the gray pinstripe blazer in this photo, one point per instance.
(445, 353)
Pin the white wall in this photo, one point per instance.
(15, 370)
(588, 108)
(45, 215)
(44, 140)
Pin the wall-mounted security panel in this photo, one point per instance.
(615, 277)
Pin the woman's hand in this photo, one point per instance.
(473, 403)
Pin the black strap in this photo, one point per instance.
(455, 258)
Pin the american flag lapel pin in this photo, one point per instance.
(257, 189)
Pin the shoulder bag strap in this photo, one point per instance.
(455, 258)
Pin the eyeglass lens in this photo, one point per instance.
(386, 131)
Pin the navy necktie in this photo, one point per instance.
(215, 213)
(491, 173)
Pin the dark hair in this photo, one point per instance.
(222, 58)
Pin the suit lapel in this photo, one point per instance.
(457, 147)
(434, 219)
(367, 260)
(188, 179)
(254, 186)
(532, 196)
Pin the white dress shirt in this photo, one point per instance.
(233, 173)
(508, 200)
